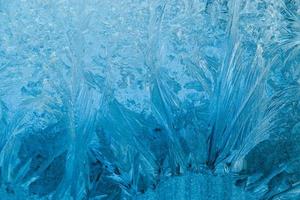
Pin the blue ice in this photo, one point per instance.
(149, 100)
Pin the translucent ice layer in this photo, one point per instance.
(149, 99)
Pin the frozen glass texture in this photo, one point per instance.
(149, 99)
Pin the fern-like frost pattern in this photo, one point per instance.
(149, 100)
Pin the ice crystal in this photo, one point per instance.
(149, 99)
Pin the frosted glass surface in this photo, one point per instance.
(149, 99)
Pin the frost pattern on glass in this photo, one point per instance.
(149, 99)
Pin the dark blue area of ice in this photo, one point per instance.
(149, 99)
